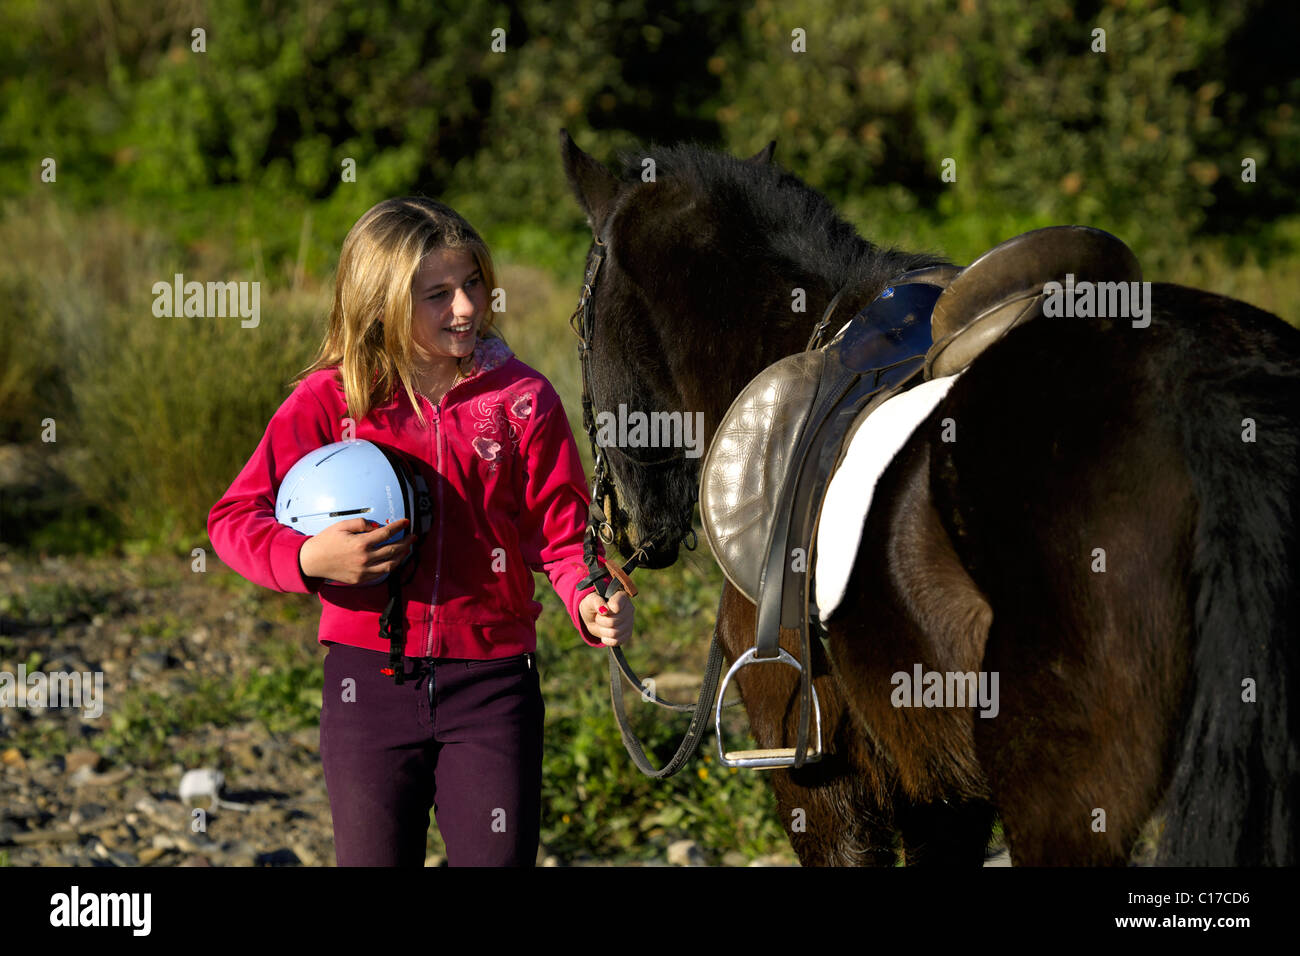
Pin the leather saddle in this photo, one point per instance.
(765, 474)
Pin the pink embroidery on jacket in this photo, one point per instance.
(487, 449)
(523, 406)
(494, 430)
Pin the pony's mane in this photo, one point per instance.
(790, 218)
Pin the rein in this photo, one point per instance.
(583, 323)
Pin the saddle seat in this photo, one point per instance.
(765, 475)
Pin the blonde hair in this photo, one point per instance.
(369, 335)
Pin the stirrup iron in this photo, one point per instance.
(775, 757)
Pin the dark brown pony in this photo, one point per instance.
(1163, 685)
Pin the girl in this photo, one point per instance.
(410, 361)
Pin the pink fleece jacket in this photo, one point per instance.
(509, 497)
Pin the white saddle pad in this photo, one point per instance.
(849, 494)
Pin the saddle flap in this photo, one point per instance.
(743, 471)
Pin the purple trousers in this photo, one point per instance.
(462, 737)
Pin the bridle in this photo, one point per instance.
(583, 323)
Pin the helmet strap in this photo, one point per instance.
(392, 622)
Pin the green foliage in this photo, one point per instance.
(139, 727)
(54, 603)
(1146, 138)
(1041, 128)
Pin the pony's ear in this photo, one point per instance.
(764, 155)
(592, 184)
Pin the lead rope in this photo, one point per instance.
(606, 587)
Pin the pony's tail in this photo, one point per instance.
(1235, 784)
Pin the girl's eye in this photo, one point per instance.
(438, 295)
(474, 281)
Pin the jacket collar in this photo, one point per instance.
(489, 354)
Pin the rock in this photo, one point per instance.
(550, 860)
(153, 662)
(281, 857)
(195, 861)
(193, 843)
(201, 786)
(13, 757)
(151, 855)
(241, 854)
(734, 858)
(305, 855)
(79, 758)
(685, 853)
(435, 859)
(85, 777)
(86, 812)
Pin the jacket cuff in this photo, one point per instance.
(285, 564)
(582, 625)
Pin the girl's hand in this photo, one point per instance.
(608, 620)
(348, 552)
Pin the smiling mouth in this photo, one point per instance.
(459, 328)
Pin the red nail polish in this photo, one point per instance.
(603, 609)
(386, 671)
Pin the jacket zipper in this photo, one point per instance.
(437, 567)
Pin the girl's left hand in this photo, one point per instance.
(610, 620)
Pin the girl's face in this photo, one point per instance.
(448, 302)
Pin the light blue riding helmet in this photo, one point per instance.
(353, 479)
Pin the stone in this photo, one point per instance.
(82, 757)
(305, 855)
(685, 853)
(281, 857)
(86, 812)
